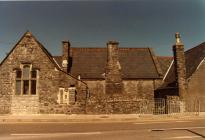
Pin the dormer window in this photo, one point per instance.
(26, 80)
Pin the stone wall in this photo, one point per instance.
(135, 92)
(196, 88)
(5, 90)
(50, 79)
(96, 87)
(143, 89)
(115, 104)
(25, 104)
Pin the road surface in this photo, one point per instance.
(147, 130)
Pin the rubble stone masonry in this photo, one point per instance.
(50, 79)
(180, 69)
(114, 83)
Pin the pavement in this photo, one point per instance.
(96, 118)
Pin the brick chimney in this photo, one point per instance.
(180, 67)
(66, 55)
(113, 78)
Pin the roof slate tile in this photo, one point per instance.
(90, 63)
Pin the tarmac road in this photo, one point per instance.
(140, 130)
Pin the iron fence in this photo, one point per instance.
(172, 107)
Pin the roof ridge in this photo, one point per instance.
(90, 48)
(28, 33)
(104, 48)
(155, 61)
(145, 48)
(14, 47)
(197, 46)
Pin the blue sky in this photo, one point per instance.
(139, 23)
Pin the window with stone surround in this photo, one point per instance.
(63, 96)
(26, 80)
(67, 95)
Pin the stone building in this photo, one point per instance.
(81, 80)
(114, 73)
(185, 76)
(32, 82)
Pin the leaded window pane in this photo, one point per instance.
(18, 74)
(26, 81)
(33, 87)
(33, 74)
(26, 87)
(18, 87)
(26, 71)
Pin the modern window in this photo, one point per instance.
(26, 80)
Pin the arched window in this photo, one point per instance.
(26, 81)
(26, 71)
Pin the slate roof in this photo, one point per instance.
(164, 62)
(136, 63)
(193, 58)
(58, 60)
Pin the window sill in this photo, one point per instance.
(26, 95)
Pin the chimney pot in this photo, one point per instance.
(178, 38)
(113, 42)
(66, 42)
